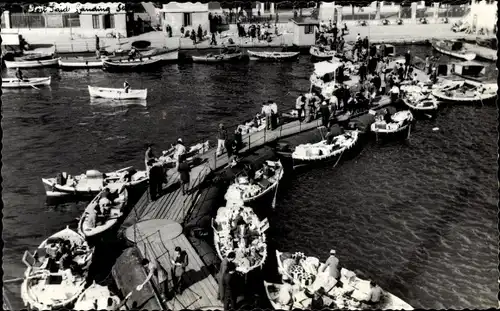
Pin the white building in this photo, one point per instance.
(483, 14)
(304, 31)
(87, 19)
(188, 15)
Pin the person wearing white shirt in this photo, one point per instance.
(274, 114)
(267, 111)
(300, 103)
(180, 149)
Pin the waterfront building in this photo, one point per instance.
(74, 19)
(483, 14)
(304, 31)
(185, 15)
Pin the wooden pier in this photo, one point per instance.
(155, 226)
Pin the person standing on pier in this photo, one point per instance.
(200, 33)
(229, 287)
(407, 63)
(184, 173)
(180, 149)
(156, 179)
(19, 74)
(149, 157)
(325, 114)
(300, 104)
(335, 31)
(267, 112)
(221, 139)
(222, 271)
(274, 114)
(179, 263)
(97, 47)
(156, 272)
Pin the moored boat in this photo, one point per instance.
(32, 63)
(136, 64)
(238, 229)
(117, 93)
(424, 104)
(217, 58)
(266, 180)
(34, 56)
(469, 70)
(323, 151)
(273, 56)
(399, 122)
(309, 276)
(453, 48)
(96, 297)
(81, 62)
(44, 289)
(94, 222)
(92, 182)
(467, 91)
(483, 52)
(26, 82)
(319, 52)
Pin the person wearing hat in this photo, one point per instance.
(184, 173)
(332, 264)
(274, 114)
(126, 86)
(267, 112)
(180, 149)
(221, 139)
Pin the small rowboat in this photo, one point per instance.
(32, 63)
(309, 272)
(28, 82)
(320, 53)
(453, 48)
(91, 225)
(321, 151)
(467, 92)
(425, 104)
(249, 246)
(220, 58)
(242, 189)
(46, 290)
(137, 64)
(273, 56)
(81, 63)
(401, 121)
(95, 297)
(117, 93)
(92, 182)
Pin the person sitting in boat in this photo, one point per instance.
(266, 170)
(126, 86)
(285, 296)
(19, 74)
(387, 116)
(132, 54)
(375, 294)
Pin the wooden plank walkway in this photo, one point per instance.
(156, 240)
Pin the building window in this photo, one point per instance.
(109, 21)
(187, 19)
(95, 21)
(308, 29)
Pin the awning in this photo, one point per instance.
(323, 68)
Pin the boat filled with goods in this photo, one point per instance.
(419, 99)
(117, 93)
(15, 83)
(466, 91)
(97, 297)
(104, 211)
(251, 188)
(169, 157)
(56, 271)
(92, 182)
(32, 63)
(469, 70)
(273, 56)
(237, 229)
(305, 278)
(321, 52)
(453, 48)
(326, 149)
(257, 124)
(391, 124)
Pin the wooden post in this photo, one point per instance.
(215, 159)
(249, 141)
(265, 130)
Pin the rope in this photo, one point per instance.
(338, 160)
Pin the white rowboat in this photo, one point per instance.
(88, 225)
(32, 63)
(273, 55)
(117, 93)
(46, 290)
(446, 47)
(15, 83)
(80, 62)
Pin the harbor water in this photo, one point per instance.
(419, 218)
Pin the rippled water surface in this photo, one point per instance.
(420, 218)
